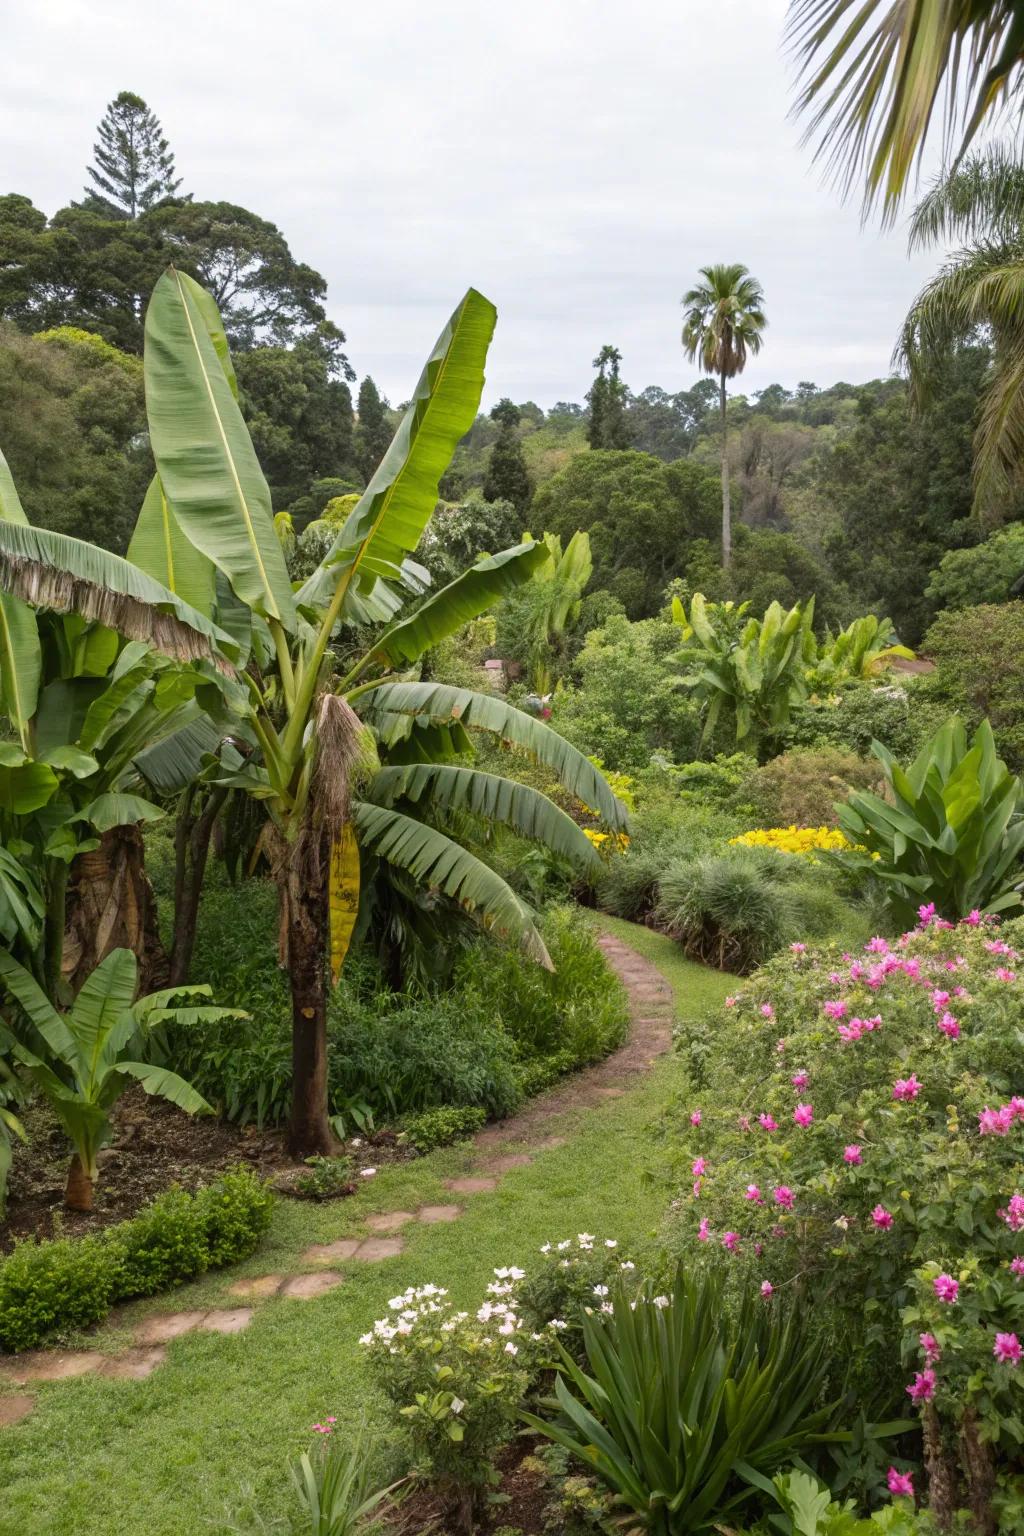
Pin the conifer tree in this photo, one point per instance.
(608, 427)
(134, 164)
(373, 432)
(508, 478)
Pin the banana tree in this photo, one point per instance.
(319, 726)
(754, 669)
(552, 600)
(862, 651)
(97, 661)
(92, 1053)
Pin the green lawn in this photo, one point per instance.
(172, 1454)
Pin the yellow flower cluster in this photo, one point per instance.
(793, 839)
(607, 842)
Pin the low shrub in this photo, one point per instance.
(65, 1284)
(325, 1178)
(792, 839)
(574, 1275)
(802, 786)
(441, 1127)
(872, 1159)
(858, 714)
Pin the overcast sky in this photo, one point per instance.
(577, 160)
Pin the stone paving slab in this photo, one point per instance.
(258, 1287)
(134, 1364)
(166, 1326)
(474, 1185)
(307, 1287)
(330, 1253)
(432, 1214)
(373, 1249)
(228, 1320)
(47, 1365)
(390, 1221)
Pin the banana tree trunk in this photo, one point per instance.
(111, 905)
(726, 506)
(303, 893)
(79, 1188)
(191, 849)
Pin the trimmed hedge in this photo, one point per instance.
(59, 1286)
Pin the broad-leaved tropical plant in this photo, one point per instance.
(861, 651)
(685, 1401)
(951, 832)
(93, 1052)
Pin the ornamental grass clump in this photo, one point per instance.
(873, 1160)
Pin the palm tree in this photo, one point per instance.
(725, 321)
(874, 72)
(979, 288)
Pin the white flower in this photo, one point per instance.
(457, 1405)
(611, 1242)
(367, 1338)
(356, 1141)
(516, 1274)
(661, 1301)
(511, 1349)
(566, 1244)
(600, 1290)
(584, 1237)
(557, 1324)
(627, 1264)
(367, 1173)
(606, 1306)
(546, 1248)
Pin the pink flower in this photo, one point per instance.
(877, 946)
(803, 1114)
(766, 1289)
(1014, 1213)
(800, 1079)
(995, 1122)
(753, 1193)
(767, 1011)
(901, 1484)
(852, 1154)
(1002, 974)
(946, 1288)
(744, 1122)
(1016, 1107)
(730, 1002)
(926, 913)
(922, 1388)
(950, 1026)
(930, 1344)
(881, 1218)
(939, 999)
(783, 1195)
(699, 1166)
(1017, 1267)
(730, 1241)
(973, 918)
(798, 949)
(780, 1046)
(850, 1032)
(704, 1231)
(836, 1009)
(767, 1123)
(696, 1189)
(695, 1118)
(1006, 1349)
(906, 1087)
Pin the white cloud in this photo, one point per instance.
(577, 160)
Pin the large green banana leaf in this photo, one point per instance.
(438, 704)
(51, 570)
(165, 1085)
(204, 455)
(21, 657)
(387, 522)
(461, 600)
(11, 509)
(170, 765)
(454, 786)
(106, 997)
(437, 861)
(159, 547)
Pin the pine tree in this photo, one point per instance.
(608, 427)
(134, 167)
(373, 432)
(508, 478)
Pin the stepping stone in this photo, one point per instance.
(306, 1287)
(258, 1287)
(501, 1165)
(230, 1320)
(134, 1364)
(15, 1408)
(470, 1186)
(41, 1365)
(330, 1253)
(431, 1214)
(166, 1326)
(375, 1248)
(390, 1221)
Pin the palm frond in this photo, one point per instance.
(982, 198)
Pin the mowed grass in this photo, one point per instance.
(214, 1427)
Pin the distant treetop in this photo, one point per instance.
(134, 164)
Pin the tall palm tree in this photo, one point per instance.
(874, 72)
(725, 321)
(980, 288)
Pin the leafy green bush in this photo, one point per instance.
(951, 832)
(58, 1286)
(572, 1274)
(985, 573)
(857, 715)
(978, 672)
(800, 787)
(441, 1127)
(55, 1287)
(326, 1178)
(872, 1157)
(685, 1405)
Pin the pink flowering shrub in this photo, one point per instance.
(881, 1122)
